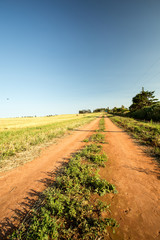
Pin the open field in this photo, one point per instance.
(23, 134)
(22, 122)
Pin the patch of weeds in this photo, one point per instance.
(99, 186)
(66, 210)
(94, 148)
(156, 151)
(86, 140)
(101, 125)
(70, 128)
(98, 159)
(92, 153)
(98, 138)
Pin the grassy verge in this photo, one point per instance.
(146, 132)
(67, 209)
(15, 141)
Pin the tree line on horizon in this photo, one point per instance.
(144, 107)
(94, 111)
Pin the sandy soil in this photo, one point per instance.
(137, 177)
(137, 205)
(20, 187)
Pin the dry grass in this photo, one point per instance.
(23, 157)
(16, 123)
(21, 144)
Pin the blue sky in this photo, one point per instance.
(59, 56)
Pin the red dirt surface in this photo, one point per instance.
(136, 207)
(136, 176)
(20, 187)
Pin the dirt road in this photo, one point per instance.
(136, 176)
(137, 205)
(19, 187)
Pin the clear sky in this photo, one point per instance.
(60, 56)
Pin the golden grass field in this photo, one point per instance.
(23, 135)
(10, 123)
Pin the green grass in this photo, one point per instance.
(101, 125)
(146, 132)
(22, 122)
(92, 153)
(15, 141)
(97, 138)
(67, 209)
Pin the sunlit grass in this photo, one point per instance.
(18, 139)
(67, 209)
(14, 123)
(146, 132)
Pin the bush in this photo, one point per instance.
(148, 113)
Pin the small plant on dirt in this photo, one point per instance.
(99, 186)
(92, 153)
(86, 140)
(98, 159)
(92, 148)
(98, 138)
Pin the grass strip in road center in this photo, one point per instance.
(101, 125)
(67, 210)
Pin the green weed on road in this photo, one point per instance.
(67, 210)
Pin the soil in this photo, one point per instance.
(20, 187)
(136, 207)
(136, 176)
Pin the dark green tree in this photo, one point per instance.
(143, 99)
